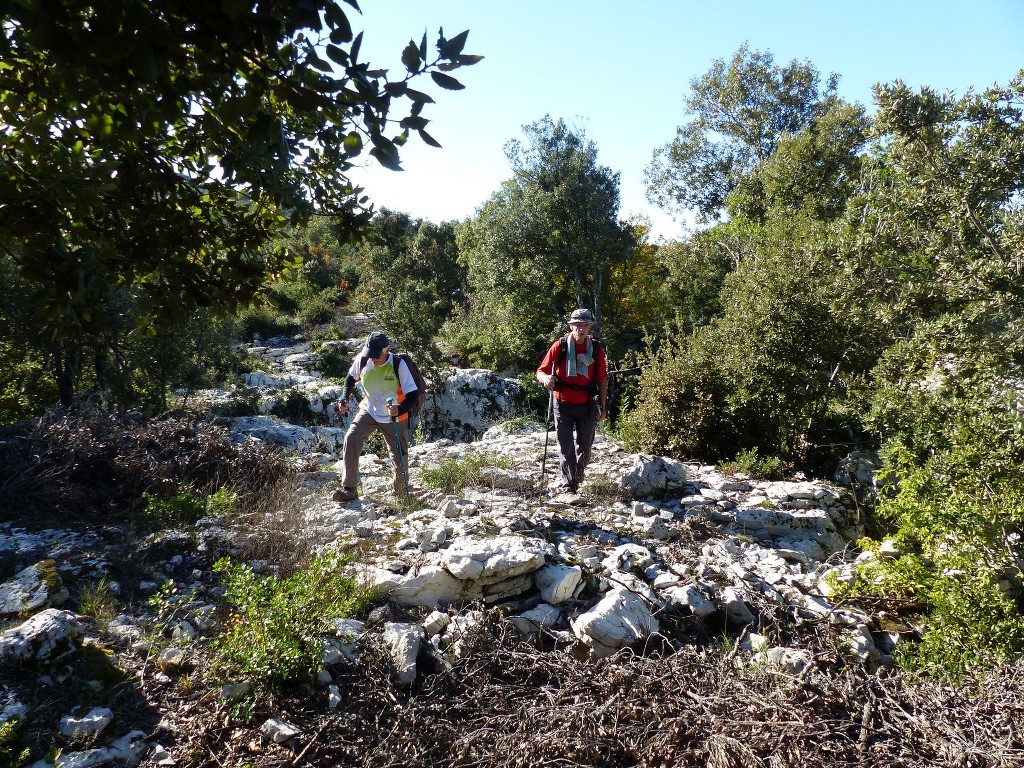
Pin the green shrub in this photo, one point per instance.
(10, 754)
(332, 363)
(455, 475)
(184, 509)
(272, 636)
(294, 408)
(761, 467)
(321, 307)
(947, 403)
(266, 322)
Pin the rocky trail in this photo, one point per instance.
(668, 614)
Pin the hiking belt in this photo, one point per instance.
(568, 385)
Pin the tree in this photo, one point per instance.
(740, 111)
(940, 219)
(414, 282)
(541, 246)
(162, 145)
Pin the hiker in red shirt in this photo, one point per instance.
(576, 371)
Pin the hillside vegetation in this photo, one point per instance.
(855, 284)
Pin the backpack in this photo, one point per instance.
(418, 396)
(563, 353)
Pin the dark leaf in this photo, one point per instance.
(418, 96)
(449, 49)
(446, 81)
(337, 55)
(411, 57)
(353, 144)
(423, 48)
(428, 139)
(388, 158)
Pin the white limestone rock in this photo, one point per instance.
(404, 641)
(44, 638)
(558, 583)
(491, 560)
(653, 476)
(89, 725)
(620, 619)
(544, 616)
(278, 731)
(35, 587)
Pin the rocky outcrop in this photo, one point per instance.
(648, 541)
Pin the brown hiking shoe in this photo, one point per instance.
(345, 494)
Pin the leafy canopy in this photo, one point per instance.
(164, 143)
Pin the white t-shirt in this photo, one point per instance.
(380, 383)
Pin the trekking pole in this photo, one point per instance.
(547, 433)
(398, 449)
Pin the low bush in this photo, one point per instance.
(272, 636)
(455, 475)
(76, 465)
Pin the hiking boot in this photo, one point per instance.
(346, 494)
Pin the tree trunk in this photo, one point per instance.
(64, 373)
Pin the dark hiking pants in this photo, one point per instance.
(574, 451)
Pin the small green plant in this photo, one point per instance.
(750, 463)
(457, 474)
(98, 602)
(271, 636)
(10, 754)
(186, 508)
(602, 489)
(294, 408)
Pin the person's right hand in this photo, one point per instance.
(342, 407)
(550, 384)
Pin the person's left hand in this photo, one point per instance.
(393, 410)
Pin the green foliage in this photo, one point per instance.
(542, 245)
(294, 408)
(266, 322)
(272, 636)
(740, 110)
(751, 463)
(332, 363)
(159, 148)
(455, 475)
(535, 396)
(184, 509)
(413, 284)
(98, 602)
(10, 754)
(947, 400)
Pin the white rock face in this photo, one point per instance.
(430, 587)
(653, 475)
(471, 400)
(489, 561)
(404, 641)
(45, 637)
(90, 724)
(33, 588)
(620, 619)
(557, 583)
(529, 622)
(278, 731)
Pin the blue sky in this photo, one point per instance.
(620, 71)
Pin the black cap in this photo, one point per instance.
(376, 343)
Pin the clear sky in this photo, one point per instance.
(621, 70)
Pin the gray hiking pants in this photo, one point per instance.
(574, 451)
(362, 426)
